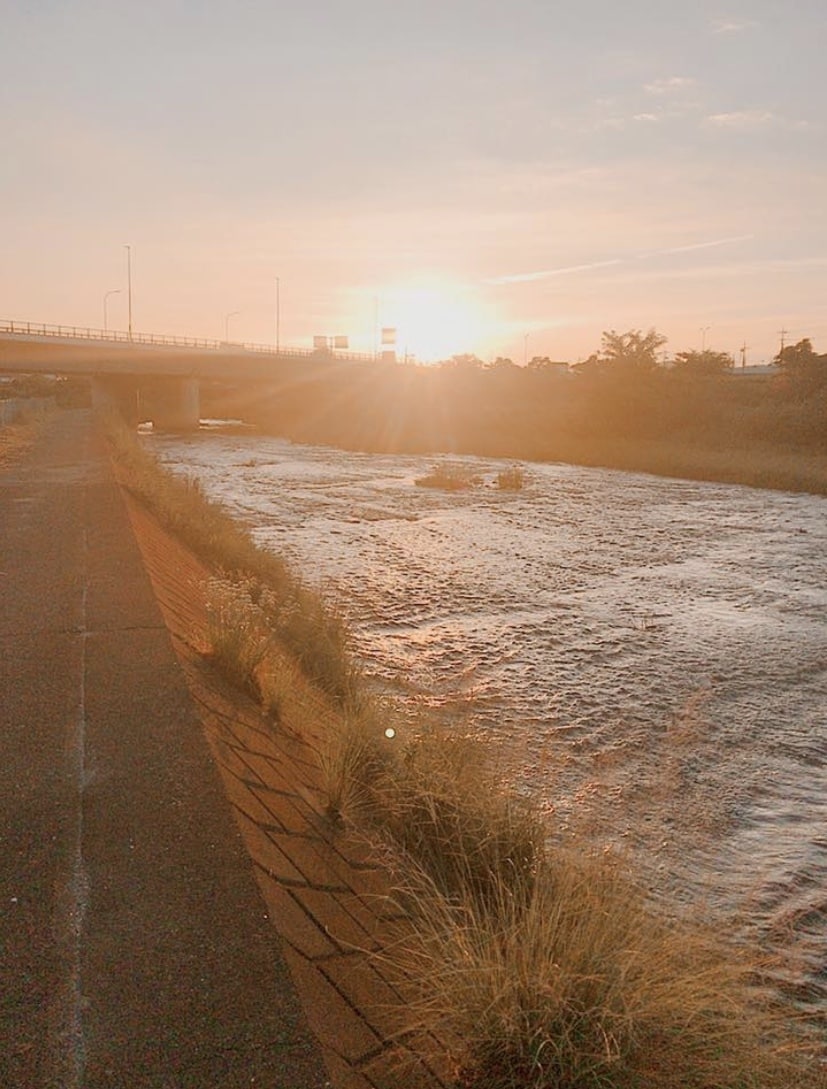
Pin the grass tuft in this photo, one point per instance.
(451, 478)
(511, 479)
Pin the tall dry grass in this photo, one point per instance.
(262, 598)
(537, 968)
(581, 984)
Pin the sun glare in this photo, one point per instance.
(434, 322)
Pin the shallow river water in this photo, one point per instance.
(647, 657)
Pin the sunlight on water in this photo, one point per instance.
(648, 657)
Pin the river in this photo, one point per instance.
(647, 657)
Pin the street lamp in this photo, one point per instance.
(704, 330)
(227, 317)
(278, 313)
(129, 284)
(116, 291)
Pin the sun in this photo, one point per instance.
(434, 322)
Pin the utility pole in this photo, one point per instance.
(744, 347)
(278, 313)
(782, 333)
(129, 285)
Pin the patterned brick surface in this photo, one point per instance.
(325, 891)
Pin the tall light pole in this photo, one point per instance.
(278, 313)
(129, 285)
(227, 317)
(704, 330)
(115, 291)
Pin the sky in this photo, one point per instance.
(504, 179)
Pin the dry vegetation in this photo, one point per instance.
(450, 478)
(18, 436)
(539, 967)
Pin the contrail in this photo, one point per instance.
(526, 277)
(699, 246)
(544, 274)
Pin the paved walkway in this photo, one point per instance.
(135, 947)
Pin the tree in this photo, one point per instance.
(705, 364)
(803, 368)
(462, 363)
(633, 350)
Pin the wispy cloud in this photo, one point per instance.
(545, 274)
(732, 26)
(729, 241)
(743, 119)
(669, 86)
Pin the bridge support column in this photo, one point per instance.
(178, 408)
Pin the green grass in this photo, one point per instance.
(534, 966)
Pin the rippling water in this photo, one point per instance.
(648, 657)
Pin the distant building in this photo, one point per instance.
(757, 369)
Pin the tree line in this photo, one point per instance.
(628, 404)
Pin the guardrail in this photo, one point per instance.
(75, 332)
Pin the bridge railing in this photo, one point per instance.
(76, 332)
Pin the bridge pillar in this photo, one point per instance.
(175, 405)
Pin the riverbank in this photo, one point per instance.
(445, 804)
(760, 433)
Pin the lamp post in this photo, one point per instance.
(227, 317)
(115, 291)
(129, 285)
(278, 314)
(704, 330)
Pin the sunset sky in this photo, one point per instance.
(508, 179)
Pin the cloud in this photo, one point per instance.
(732, 26)
(742, 119)
(728, 241)
(646, 117)
(544, 274)
(669, 86)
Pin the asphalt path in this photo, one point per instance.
(135, 950)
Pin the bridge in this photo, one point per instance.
(147, 376)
